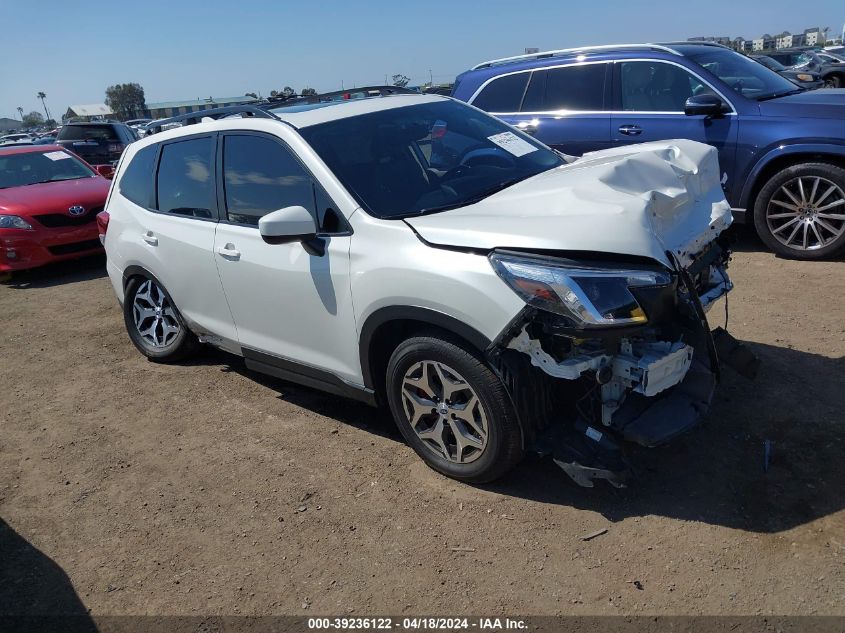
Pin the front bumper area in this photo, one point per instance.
(21, 249)
(600, 388)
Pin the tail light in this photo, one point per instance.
(102, 225)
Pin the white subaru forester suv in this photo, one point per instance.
(413, 251)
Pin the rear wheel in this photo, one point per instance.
(452, 410)
(800, 212)
(834, 81)
(154, 324)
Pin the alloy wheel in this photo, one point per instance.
(445, 412)
(154, 317)
(807, 213)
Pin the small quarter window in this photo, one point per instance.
(136, 182)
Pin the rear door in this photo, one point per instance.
(565, 107)
(173, 236)
(649, 98)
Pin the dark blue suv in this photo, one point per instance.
(781, 148)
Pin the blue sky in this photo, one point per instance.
(185, 49)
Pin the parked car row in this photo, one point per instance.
(827, 65)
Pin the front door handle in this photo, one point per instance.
(229, 251)
(630, 130)
(150, 238)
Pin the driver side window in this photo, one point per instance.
(261, 175)
(657, 87)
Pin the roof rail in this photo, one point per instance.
(213, 113)
(694, 43)
(338, 95)
(566, 51)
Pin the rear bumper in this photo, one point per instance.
(24, 249)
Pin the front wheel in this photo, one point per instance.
(154, 324)
(800, 211)
(453, 410)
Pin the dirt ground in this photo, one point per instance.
(128, 487)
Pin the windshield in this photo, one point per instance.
(743, 75)
(29, 168)
(88, 132)
(426, 158)
(768, 62)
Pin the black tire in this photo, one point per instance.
(503, 449)
(766, 227)
(177, 347)
(834, 81)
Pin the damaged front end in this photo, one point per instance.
(607, 353)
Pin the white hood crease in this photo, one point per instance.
(638, 200)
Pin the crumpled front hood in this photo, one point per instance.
(638, 200)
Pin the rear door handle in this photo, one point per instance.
(150, 238)
(630, 130)
(229, 251)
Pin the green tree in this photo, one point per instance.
(308, 92)
(126, 100)
(288, 91)
(251, 94)
(274, 93)
(401, 80)
(33, 119)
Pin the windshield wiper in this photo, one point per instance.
(476, 198)
(786, 93)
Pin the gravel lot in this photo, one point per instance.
(128, 487)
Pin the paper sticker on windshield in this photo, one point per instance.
(56, 155)
(510, 142)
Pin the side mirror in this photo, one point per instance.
(704, 104)
(106, 171)
(291, 224)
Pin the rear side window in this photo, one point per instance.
(185, 183)
(575, 88)
(136, 182)
(503, 94)
(88, 132)
(260, 176)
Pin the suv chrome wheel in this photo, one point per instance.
(445, 412)
(153, 315)
(807, 213)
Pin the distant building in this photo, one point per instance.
(166, 109)
(810, 37)
(88, 112)
(9, 125)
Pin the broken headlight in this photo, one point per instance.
(590, 297)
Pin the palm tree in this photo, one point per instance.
(20, 112)
(43, 96)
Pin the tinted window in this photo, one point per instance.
(185, 184)
(575, 88)
(86, 132)
(503, 94)
(137, 179)
(657, 87)
(535, 93)
(261, 176)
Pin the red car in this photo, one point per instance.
(49, 200)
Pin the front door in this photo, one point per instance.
(650, 97)
(291, 307)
